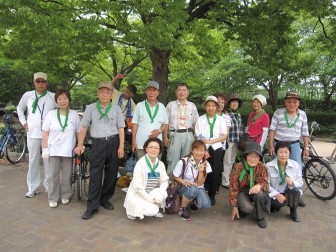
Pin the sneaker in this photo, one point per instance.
(53, 204)
(193, 208)
(130, 217)
(32, 194)
(184, 213)
(65, 201)
(158, 215)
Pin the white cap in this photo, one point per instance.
(261, 98)
(40, 75)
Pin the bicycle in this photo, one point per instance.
(317, 171)
(13, 142)
(80, 175)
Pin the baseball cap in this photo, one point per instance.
(153, 84)
(293, 94)
(40, 75)
(105, 84)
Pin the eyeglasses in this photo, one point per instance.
(41, 81)
(154, 147)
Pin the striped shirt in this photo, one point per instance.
(283, 132)
(153, 181)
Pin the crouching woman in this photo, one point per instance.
(147, 191)
(192, 180)
(249, 183)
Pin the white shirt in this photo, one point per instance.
(61, 143)
(35, 120)
(202, 130)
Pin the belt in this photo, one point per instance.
(289, 142)
(183, 130)
(104, 138)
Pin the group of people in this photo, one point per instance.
(201, 150)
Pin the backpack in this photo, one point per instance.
(173, 200)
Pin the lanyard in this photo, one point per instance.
(281, 174)
(243, 173)
(153, 168)
(255, 118)
(37, 99)
(106, 110)
(287, 120)
(211, 124)
(182, 114)
(149, 111)
(66, 119)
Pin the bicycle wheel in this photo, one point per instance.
(15, 148)
(266, 157)
(320, 178)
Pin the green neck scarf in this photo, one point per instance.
(235, 112)
(281, 174)
(287, 120)
(211, 124)
(66, 119)
(153, 168)
(255, 118)
(37, 99)
(243, 173)
(106, 110)
(149, 111)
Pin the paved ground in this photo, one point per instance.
(30, 225)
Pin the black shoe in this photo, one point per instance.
(213, 201)
(184, 213)
(262, 223)
(274, 210)
(296, 218)
(193, 208)
(88, 214)
(107, 205)
(293, 214)
(302, 203)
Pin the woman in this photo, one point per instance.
(249, 183)
(285, 180)
(258, 120)
(192, 181)
(147, 191)
(59, 132)
(211, 129)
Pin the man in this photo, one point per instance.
(149, 120)
(289, 124)
(38, 103)
(127, 105)
(182, 116)
(107, 131)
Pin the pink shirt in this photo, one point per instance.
(256, 129)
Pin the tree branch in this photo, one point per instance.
(323, 28)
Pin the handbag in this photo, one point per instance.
(244, 139)
(292, 198)
(130, 163)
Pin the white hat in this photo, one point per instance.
(40, 75)
(210, 98)
(261, 98)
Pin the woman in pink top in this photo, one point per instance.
(258, 121)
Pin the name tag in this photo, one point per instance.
(154, 175)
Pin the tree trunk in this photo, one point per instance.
(160, 62)
(273, 94)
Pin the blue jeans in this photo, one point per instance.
(193, 192)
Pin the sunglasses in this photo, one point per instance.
(41, 81)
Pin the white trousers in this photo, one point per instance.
(228, 161)
(33, 176)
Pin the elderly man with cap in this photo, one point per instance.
(249, 183)
(212, 130)
(37, 103)
(182, 115)
(289, 124)
(149, 120)
(106, 124)
(236, 130)
(258, 120)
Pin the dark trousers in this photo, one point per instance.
(276, 205)
(261, 202)
(104, 159)
(213, 178)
